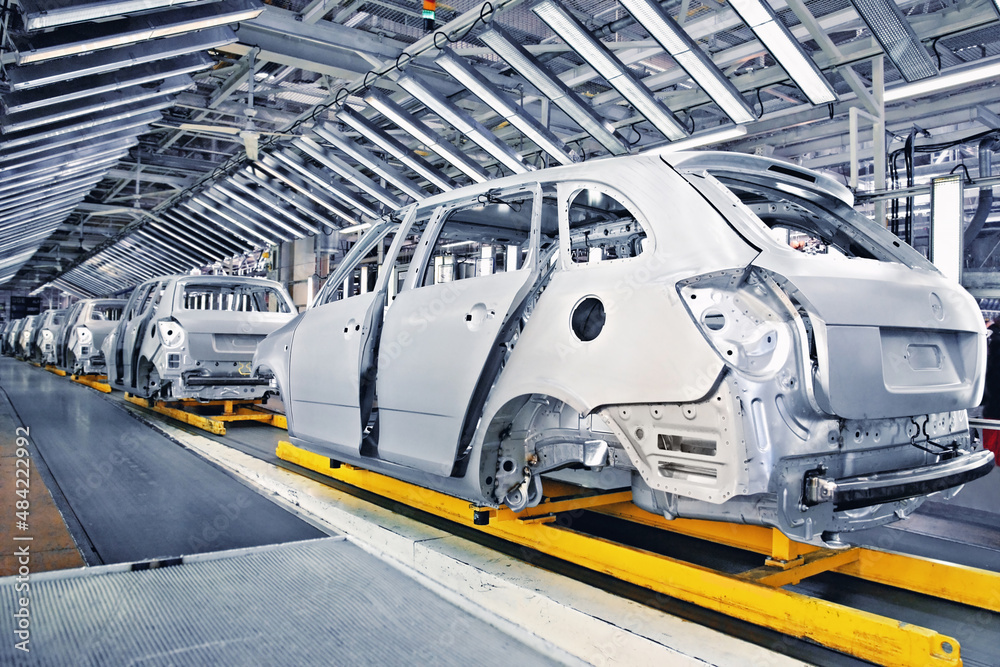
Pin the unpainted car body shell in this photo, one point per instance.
(78, 345)
(732, 378)
(11, 337)
(212, 350)
(5, 332)
(25, 335)
(43, 342)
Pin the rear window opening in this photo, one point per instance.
(106, 313)
(233, 298)
(806, 226)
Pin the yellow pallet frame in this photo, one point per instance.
(755, 596)
(232, 411)
(97, 382)
(58, 371)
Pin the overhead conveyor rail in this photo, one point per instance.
(757, 595)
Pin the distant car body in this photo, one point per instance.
(193, 337)
(25, 336)
(5, 334)
(43, 341)
(12, 336)
(645, 322)
(87, 325)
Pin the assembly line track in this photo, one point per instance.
(949, 618)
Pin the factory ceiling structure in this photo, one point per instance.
(141, 137)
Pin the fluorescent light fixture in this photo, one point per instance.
(223, 235)
(963, 77)
(176, 222)
(425, 135)
(291, 215)
(355, 228)
(216, 195)
(285, 196)
(87, 87)
(947, 217)
(110, 34)
(598, 56)
(271, 166)
(41, 14)
(346, 171)
(389, 144)
(497, 100)
(374, 164)
(462, 122)
(126, 129)
(155, 242)
(888, 25)
(213, 207)
(549, 85)
(187, 236)
(101, 62)
(759, 17)
(96, 104)
(252, 206)
(686, 53)
(87, 122)
(702, 139)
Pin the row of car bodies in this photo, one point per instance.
(68, 339)
(175, 337)
(645, 322)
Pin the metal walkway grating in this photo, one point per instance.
(319, 602)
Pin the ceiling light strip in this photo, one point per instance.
(686, 53)
(505, 107)
(773, 34)
(598, 56)
(462, 122)
(501, 43)
(425, 135)
(363, 156)
(391, 145)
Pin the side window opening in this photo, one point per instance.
(803, 225)
(601, 228)
(490, 236)
(403, 263)
(362, 278)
